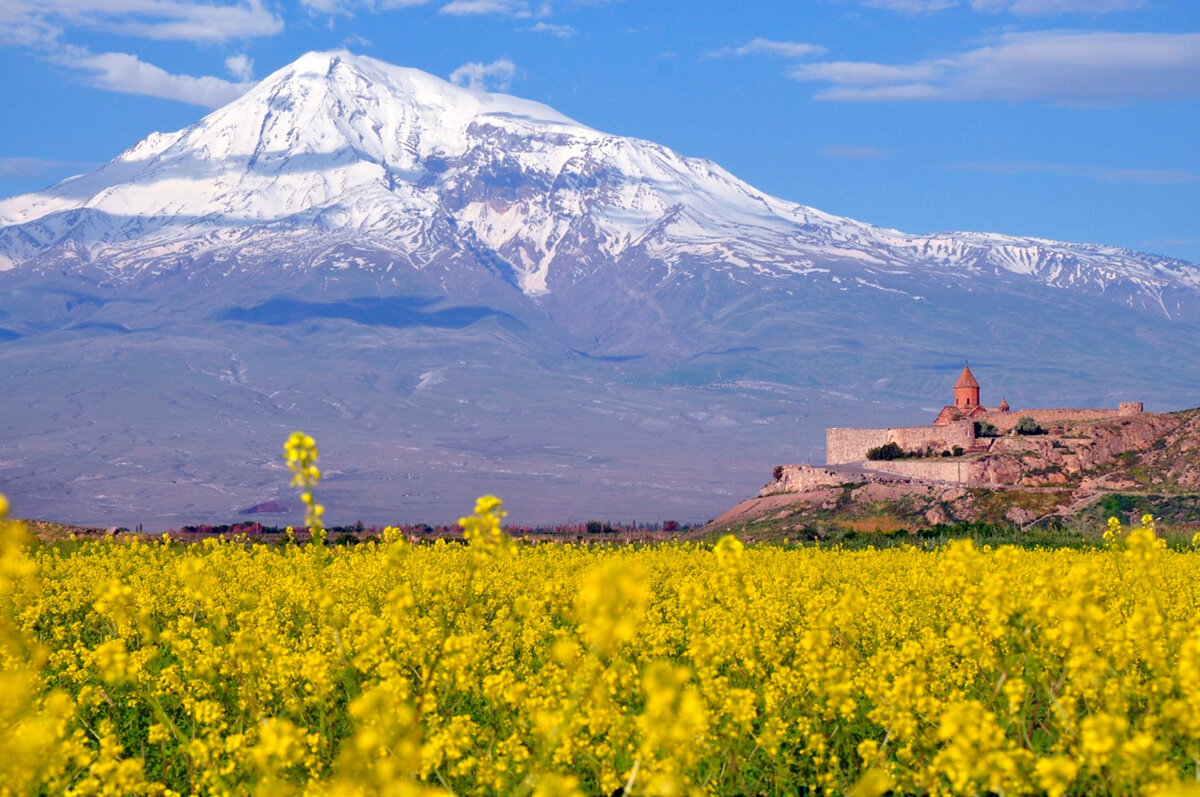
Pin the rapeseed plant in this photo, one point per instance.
(300, 453)
(143, 666)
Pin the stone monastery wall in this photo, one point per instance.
(850, 445)
(936, 438)
(954, 471)
(1048, 418)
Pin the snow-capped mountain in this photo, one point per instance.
(343, 147)
(409, 235)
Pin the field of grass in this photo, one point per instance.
(147, 666)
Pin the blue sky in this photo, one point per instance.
(1070, 119)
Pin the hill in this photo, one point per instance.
(1084, 470)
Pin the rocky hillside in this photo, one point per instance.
(1154, 451)
(1170, 461)
(1082, 470)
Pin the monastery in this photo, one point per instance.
(958, 426)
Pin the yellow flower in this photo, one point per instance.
(300, 453)
(157, 734)
(1113, 532)
(498, 668)
(1054, 775)
(728, 551)
(483, 529)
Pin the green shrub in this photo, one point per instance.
(886, 451)
(1027, 425)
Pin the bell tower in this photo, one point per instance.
(966, 390)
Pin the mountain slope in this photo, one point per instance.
(337, 143)
(369, 250)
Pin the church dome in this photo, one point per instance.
(966, 379)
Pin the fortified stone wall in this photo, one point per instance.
(955, 471)
(934, 438)
(850, 445)
(1047, 418)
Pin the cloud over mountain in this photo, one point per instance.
(1068, 67)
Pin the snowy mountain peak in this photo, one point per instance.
(342, 147)
(349, 73)
(326, 124)
(330, 102)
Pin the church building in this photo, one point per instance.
(966, 401)
(964, 428)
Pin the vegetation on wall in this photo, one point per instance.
(887, 451)
(1027, 425)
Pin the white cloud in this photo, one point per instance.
(1036, 7)
(42, 23)
(240, 66)
(348, 7)
(31, 168)
(856, 153)
(506, 8)
(1104, 174)
(127, 74)
(1170, 242)
(1065, 67)
(521, 9)
(561, 31)
(496, 76)
(911, 6)
(862, 73)
(1019, 7)
(771, 47)
(27, 30)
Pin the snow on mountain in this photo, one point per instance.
(345, 145)
(310, 136)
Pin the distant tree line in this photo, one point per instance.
(360, 532)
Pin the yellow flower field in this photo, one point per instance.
(503, 668)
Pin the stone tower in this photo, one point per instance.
(966, 390)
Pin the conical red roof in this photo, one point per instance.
(966, 379)
(1004, 404)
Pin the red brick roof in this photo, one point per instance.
(966, 378)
